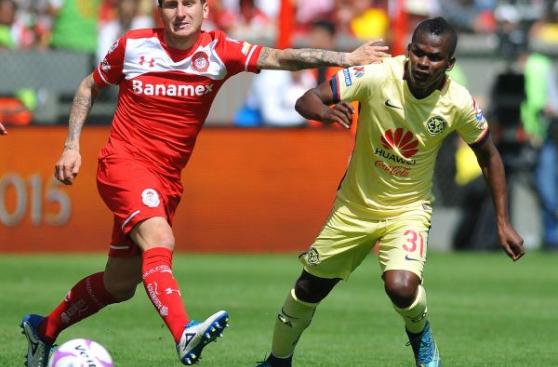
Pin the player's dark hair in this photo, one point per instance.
(440, 27)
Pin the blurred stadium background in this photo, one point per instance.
(262, 185)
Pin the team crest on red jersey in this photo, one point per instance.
(200, 62)
(401, 140)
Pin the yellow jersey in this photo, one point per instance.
(398, 137)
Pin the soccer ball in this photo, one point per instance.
(80, 353)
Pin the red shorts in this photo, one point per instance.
(134, 193)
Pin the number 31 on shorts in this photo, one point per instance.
(414, 242)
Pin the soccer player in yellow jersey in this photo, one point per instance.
(408, 105)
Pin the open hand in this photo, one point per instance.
(368, 53)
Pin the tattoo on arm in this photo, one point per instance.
(263, 60)
(81, 106)
(296, 59)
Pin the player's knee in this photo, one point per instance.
(153, 232)
(313, 289)
(401, 290)
(165, 240)
(122, 290)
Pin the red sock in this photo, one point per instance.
(162, 289)
(84, 299)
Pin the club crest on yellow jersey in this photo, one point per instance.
(436, 125)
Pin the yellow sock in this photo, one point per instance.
(415, 314)
(294, 317)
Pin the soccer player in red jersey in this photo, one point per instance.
(168, 79)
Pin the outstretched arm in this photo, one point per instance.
(68, 165)
(304, 58)
(3, 130)
(493, 170)
(315, 105)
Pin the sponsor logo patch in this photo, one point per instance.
(436, 125)
(398, 171)
(479, 116)
(173, 90)
(150, 197)
(347, 75)
(359, 71)
(400, 140)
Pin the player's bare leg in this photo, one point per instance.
(155, 237)
(409, 300)
(295, 316)
(116, 284)
(122, 276)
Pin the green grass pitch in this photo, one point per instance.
(484, 310)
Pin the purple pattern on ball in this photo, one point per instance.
(58, 355)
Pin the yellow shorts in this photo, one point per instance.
(347, 239)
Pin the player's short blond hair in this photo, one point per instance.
(161, 2)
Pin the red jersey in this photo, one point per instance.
(165, 94)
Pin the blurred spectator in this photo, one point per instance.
(15, 32)
(546, 29)
(107, 11)
(321, 34)
(473, 16)
(546, 173)
(419, 10)
(364, 19)
(249, 21)
(127, 18)
(15, 109)
(371, 20)
(74, 24)
(269, 7)
(476, 228)
(7, 18)
(309, 11)
(423, 8)
(272, 97)
(540, 118)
